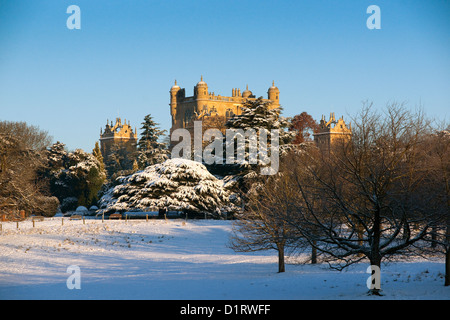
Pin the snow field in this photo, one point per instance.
(175, 259)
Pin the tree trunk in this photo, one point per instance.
(447, 268)
(280, 248)
(447, 247)
(314, 253)
(376, 261)
(375, 254)
(433, 236)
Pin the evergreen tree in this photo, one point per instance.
(119, 162)
(257, 117)
(150, 149)
(98, 155)
(86, 175)
(77, 174)
(176, 184)
(56, 155)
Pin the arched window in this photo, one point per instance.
(229, 113)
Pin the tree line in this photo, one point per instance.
(40, 177)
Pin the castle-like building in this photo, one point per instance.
(332, 132)
(204, 103)
(119, 134)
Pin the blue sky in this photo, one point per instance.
(127, 55)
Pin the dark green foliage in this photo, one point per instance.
(150, 149)
(74, 174)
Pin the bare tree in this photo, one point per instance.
(359, 200)
(21, 148)
(29, 136)
(264, 223)
(437, 191)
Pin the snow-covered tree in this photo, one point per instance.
(86, 173)
(259, 118)
(174, 185)
(258, 114)
(150, 149)
(56, 155)
(21, 162)
(74, 174)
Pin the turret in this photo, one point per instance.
(201, 89)
(273, 93)
(201, 92)
(173, 101)
(247, 93)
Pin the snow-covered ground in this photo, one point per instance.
(172, 259)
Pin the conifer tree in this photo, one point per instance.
(150, 149)
(119, 161)
(256, 116)
(76, 174)
(87, 178)
(174, 185)
(98, 155)
(56, 155)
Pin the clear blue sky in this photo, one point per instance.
(127, 54)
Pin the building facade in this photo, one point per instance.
(119, 134)
(204, 103)
(332, 132)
